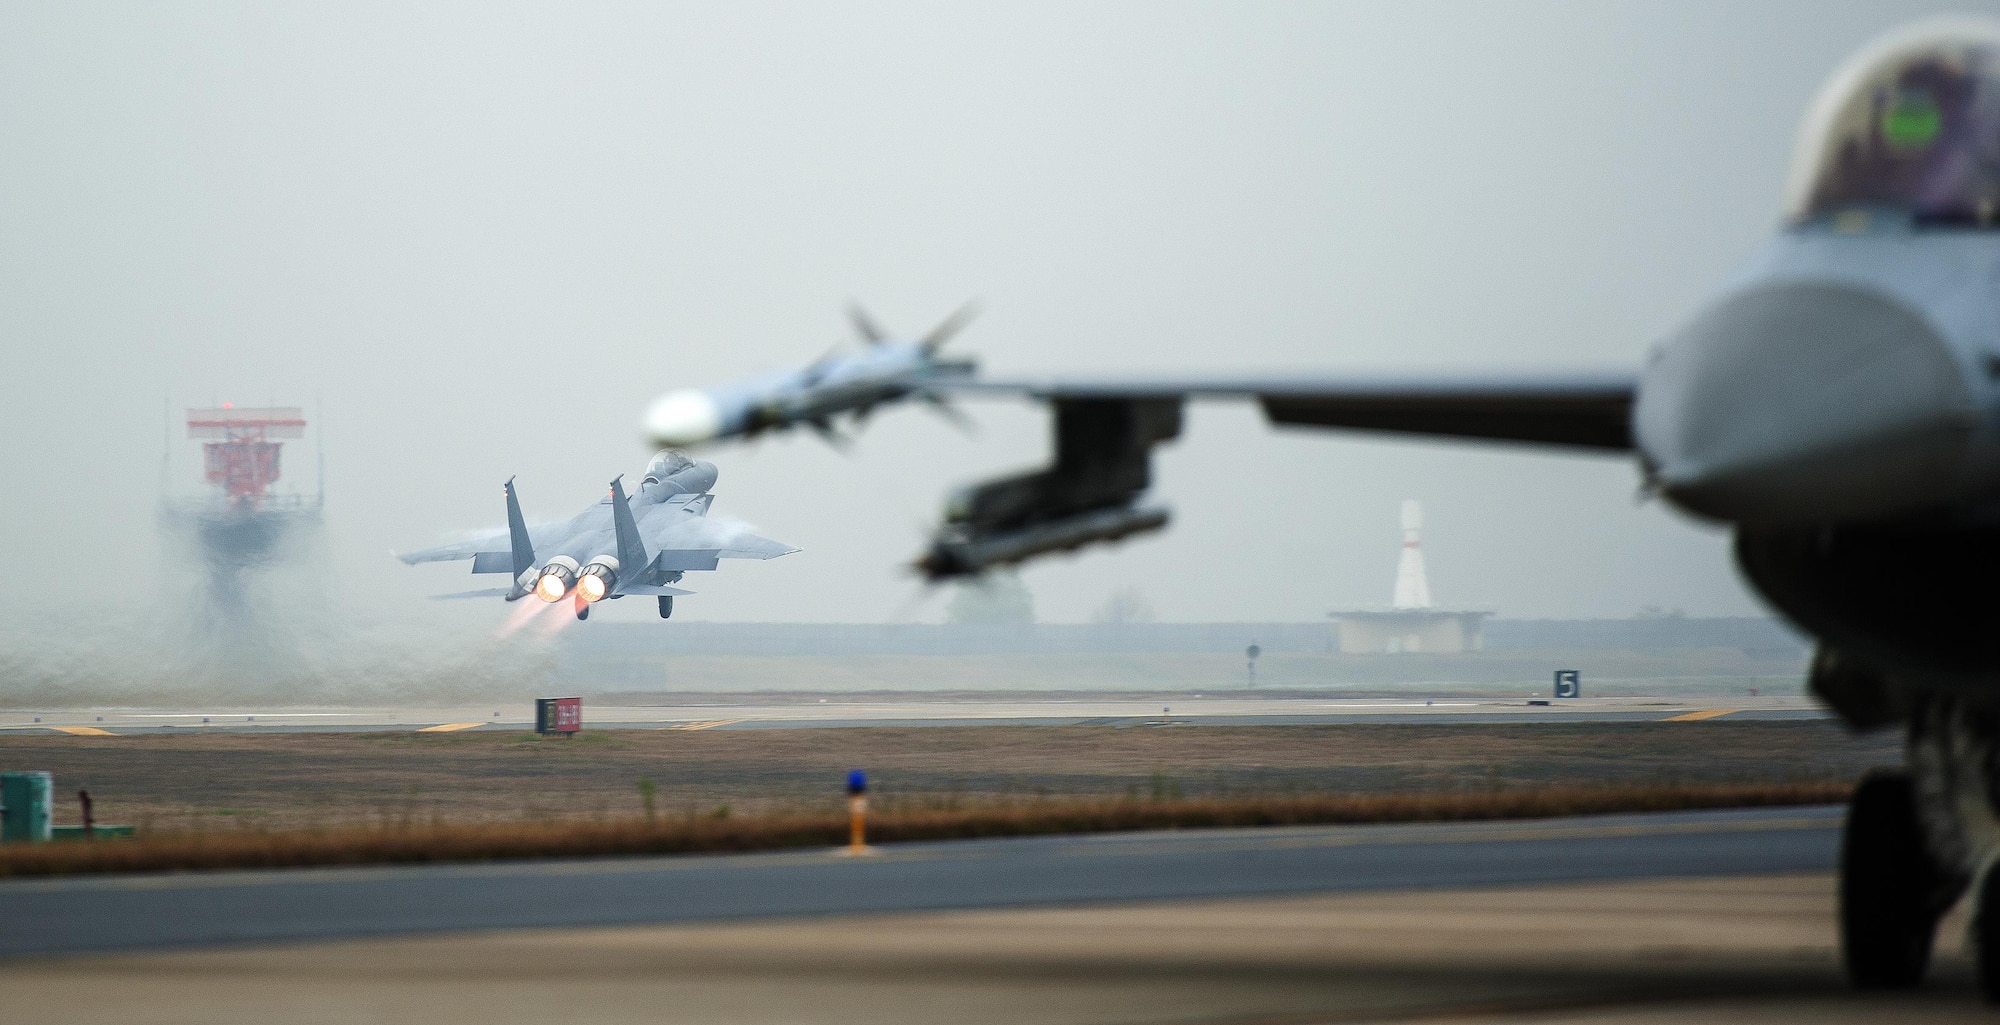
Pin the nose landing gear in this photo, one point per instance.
(666, 606)
(1892, 892)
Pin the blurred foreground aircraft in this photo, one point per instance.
(620, 546)
(883, 370)
(1837, 405)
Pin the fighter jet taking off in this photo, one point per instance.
(1837, 405)
(884, 370)
(620, 546)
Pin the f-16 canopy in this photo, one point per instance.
(1912, 123)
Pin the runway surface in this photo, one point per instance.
(1170, 712)
(106, 913)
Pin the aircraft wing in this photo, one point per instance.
(1105, 430)
(1585, 409)
(746, 545)
(690, 533)
(546, 537)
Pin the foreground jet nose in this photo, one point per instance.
(1804, 402)
(685, 417)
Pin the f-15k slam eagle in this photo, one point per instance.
(622, 545)
(1837, 405)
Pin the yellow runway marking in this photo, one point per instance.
(83, 731)
(1713, 713)
(450, 727)
(705, 725)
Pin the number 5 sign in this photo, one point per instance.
(1569, 683)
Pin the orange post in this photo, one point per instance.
(857, 812)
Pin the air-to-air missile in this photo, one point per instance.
(884, 370)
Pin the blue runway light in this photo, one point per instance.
(857, 782)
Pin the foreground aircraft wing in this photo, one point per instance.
(1588, 409)
(1105, 430)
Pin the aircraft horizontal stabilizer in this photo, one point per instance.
(484, 592)
(493, 562)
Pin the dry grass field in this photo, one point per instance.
(242, 781)
(713, 832)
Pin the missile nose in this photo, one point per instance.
(684, 417)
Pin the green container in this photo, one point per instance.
(25, 812)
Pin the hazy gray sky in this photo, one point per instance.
(487, 234)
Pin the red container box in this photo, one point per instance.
(558, 715)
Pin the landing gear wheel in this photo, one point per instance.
(666, 606)
(1986, 939)
(1888, 889)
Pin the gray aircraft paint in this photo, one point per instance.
(1843, 374)
(670, 510)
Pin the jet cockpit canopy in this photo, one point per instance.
(1911, 123)
(666, 464)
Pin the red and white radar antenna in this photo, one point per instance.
(241, 448)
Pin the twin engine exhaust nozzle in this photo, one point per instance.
(599, 578)
(592, 582)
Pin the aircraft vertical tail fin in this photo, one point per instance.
(632, 560)
(517, 534)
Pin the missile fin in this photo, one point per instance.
(949, 326)
(865, 324)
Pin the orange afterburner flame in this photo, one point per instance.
(591, 587)
(550, 588)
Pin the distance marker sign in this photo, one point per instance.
(1569, 683)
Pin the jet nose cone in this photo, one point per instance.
(684, 417)
(1805, 402)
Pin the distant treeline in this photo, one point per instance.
(1665, 633)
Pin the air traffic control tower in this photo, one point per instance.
(1411, 623)
(241, 522)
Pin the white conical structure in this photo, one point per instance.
(1413, 589)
